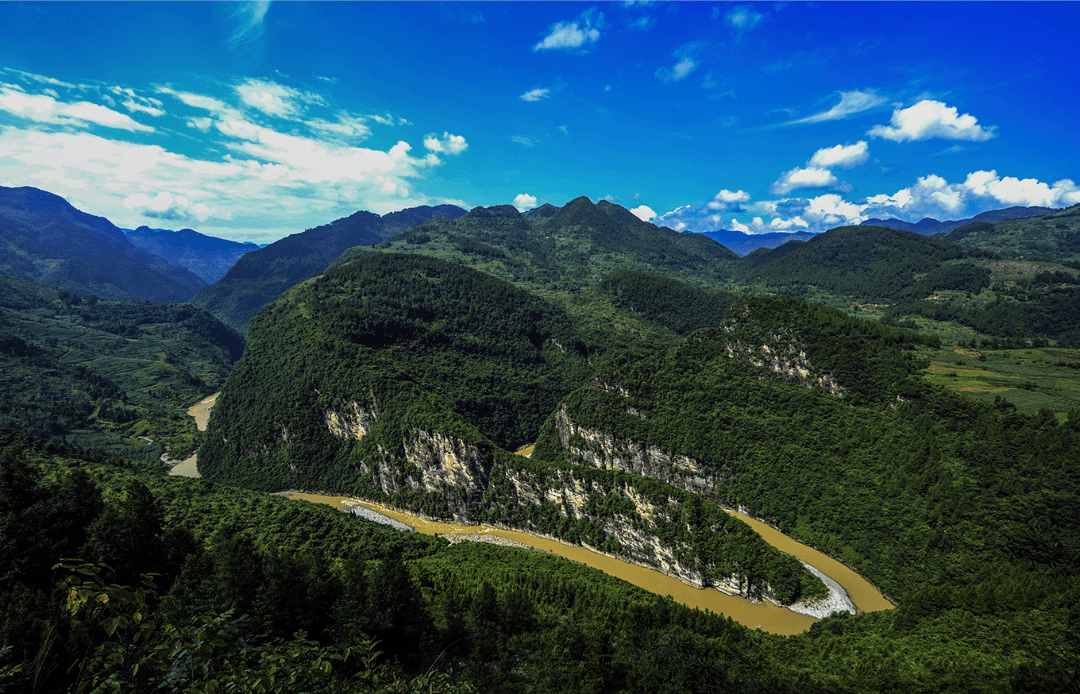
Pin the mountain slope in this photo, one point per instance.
(405, 378)
(261, 276)
(101, 373)
(822, 424)
(865, 262)
(1054, 236)
(207, 256)
(44, 239)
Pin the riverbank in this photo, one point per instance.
(200, 411)
(756, 615)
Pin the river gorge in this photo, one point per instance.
(846, 587)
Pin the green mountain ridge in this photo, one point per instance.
(261, 276)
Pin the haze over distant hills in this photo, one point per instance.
(929, 226)
(744, 244)
(208, 257)
(44, 239)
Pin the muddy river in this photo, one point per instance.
(771, 618)
(777, 620)
(201, 412)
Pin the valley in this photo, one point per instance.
(894, 410)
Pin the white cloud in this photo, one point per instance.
(850, 103)
(249, 29)
(346, 126)
(810, 177)
(165, 205)
(841, 155)
(43, 108)
(643, 23)
(644, 213)
(575, 34)
(536, 94)
(743, 18)
(688, 62)
(728, 200)
(524, 201)
(522, 140)
(274, 99)
(450, 144)
(142, 108)
(928, 119)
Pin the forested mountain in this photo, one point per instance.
(870, 263)
(101, 374)
(657, 395)
(564, 249)
(207, 256)
(1054, 236)
(44, 239)
(743, 244)
(930, 226)
(418, 376)
(261, 276)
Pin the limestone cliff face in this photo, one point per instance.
(430, 462)
(778, 351)
(636, 532)
(353, 421)
(609, 452)
(786, 361)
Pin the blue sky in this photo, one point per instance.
(252, 121)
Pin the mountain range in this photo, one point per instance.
(207, 256)
(662, 377)
(930, 226)
(45, 239)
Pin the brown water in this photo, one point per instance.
(201, 412)
(777, 620)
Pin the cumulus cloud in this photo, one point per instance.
(45, 108)
(536, 94)
(450, 144)
(850, 103)
(248, 180)
(165, 205)
(644, 213)
(728, 200)
(573, 35)
(844, 156)
(809, 177)
(929, 119)
(524, 201)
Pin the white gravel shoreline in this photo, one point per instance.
(363, 512)
(838, 600)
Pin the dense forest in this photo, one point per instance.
(660, 383)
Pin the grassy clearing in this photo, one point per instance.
(1030, 378)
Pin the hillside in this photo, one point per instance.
(101, 374)
(862, 262)
(44, 239)
(418, 377)
(1054, 236)
(207, 256)
(261, 276)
